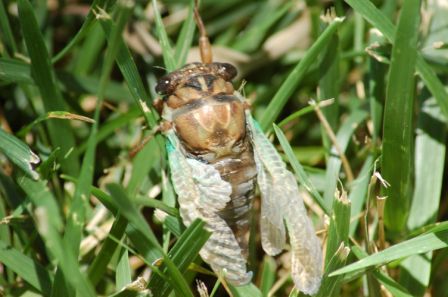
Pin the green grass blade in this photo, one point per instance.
(19, 153)
(267, 275)
(299, 171)
(416, 271)
(123, 270)
(90, 50)
(339, 225)
(358, 193)
(185, 39)
(329, 84)
(25, 267)
(149, 157)
(15, 71)
(130, 73)
(110, 126)
(49, 225)
(247, 290)
(418, 245)
(6, 29)
(64, 115)
(392, 286)
(135, 218)
(343, 137)
(185, 250)
(397, 163)
(337, 242)
(330, 285)
(131, 292)
(168, 57)
(430, 141)
(98, 268)
(86, 26)
(139, 94)
(60, 133)
(303, 111)
(174, 225)
(379, 20)
(296, 75)
(377, 87)
(154, 203)
(261, 22)
(76, 218)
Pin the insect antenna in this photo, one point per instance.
(205, 48)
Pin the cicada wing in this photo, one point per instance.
(283, 201)
(306, 261)
(201, 194)
(272, 228)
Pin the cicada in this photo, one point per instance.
(218, 155)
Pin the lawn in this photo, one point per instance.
(353, 94)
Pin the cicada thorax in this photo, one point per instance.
(210, 122)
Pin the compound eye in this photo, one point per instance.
(227, 71)
(164, 86)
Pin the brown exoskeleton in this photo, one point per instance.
(217, 156)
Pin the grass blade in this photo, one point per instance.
(330, 285)
(358, 193)
(247, 290)
(379, 20)
(19, 153)
(416, 270)
(334, 163)
(392, 286)
(168, 57)
(108, 248)
(339, 225)
(185, 40)
(32, 272)
(6, 29)
(261, 22)
(60, 133)
(430, 141)
(123, 270)
(123, 203)
(397, 163)
(131, 75)
(184, 252)
(268, 275)
(418, 245)
(86, 26)
(299, 171)
(49, 224)
(290, 84)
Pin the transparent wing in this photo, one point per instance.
(272, 228)
(201, 194)
(281, 201)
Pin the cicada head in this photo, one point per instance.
(168, 84)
